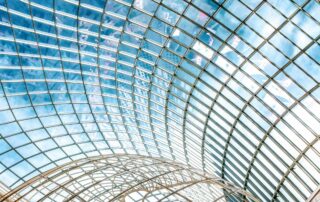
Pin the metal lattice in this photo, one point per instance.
(120, 177)
(230, 87)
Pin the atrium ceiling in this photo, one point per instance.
(230, 88)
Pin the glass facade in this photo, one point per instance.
(230, 87)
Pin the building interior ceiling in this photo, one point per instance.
(159, 100)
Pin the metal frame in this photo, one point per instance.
(150, 174)
(166, 114)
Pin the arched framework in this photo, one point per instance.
(119, 177)
(230, 87)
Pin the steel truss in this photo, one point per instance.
(117, 177)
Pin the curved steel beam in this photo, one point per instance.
(170, 175)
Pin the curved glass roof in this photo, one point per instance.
(230, 87)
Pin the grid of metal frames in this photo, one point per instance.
(124, 178)
(227, 86)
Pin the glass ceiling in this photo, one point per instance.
(231, 87)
